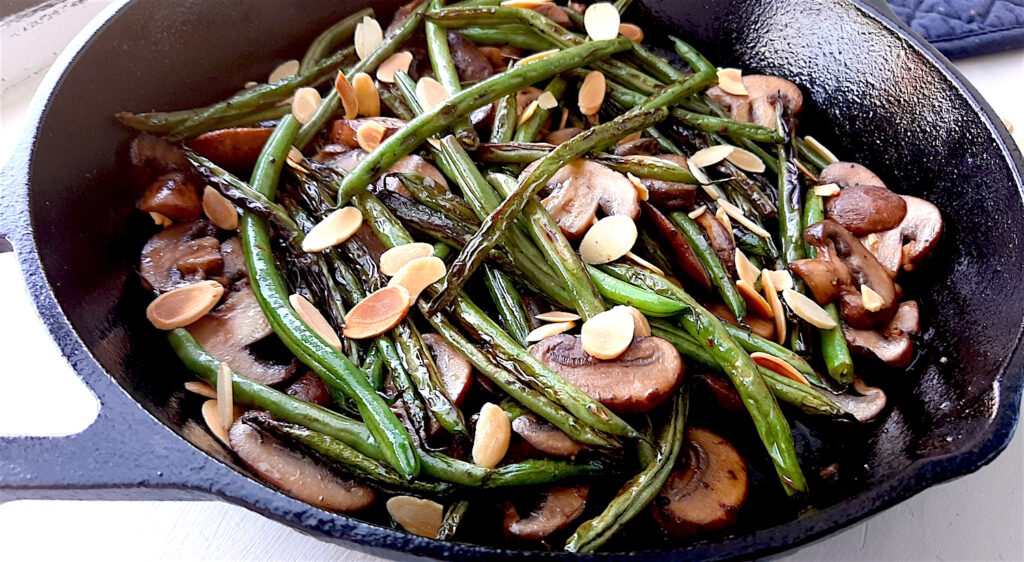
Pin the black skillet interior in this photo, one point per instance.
(873, 96)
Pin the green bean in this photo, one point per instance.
(514, 35)
(622, 5)
(834, 350)
(395, 103)
(621, 292)
(446, 73)
(528, 130)
(452, 517)
(437, 197)
(790, 199)
(331, 37)
(509, 304)
(272, 293)
(504, 127)
(771, 162)
(525, 473)
(373, 365)
(165, 122)
(427, 378)
(821, 161)
(716, 271)
(527, 152)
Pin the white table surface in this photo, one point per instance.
(978, 517)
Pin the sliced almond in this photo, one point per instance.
(730, 80)
(398, 61)
(368, 36)
(782, 280)
(755, 302)
(313, 319)
(608, 239)
(641, 189)
(418, 274)
(781, 367)
(525, 4)
(547, 101)
(808, 310)
(737, 214)
(632, 32)
(201, 388)
(746, 160)
(286, 69)
(772, 296)
(548, 330)
(416, 515)
(367, 95)
(745, 270)
(641, 327)
(528, 112)
(601, 21)
(430, 93)
(644, 263)
(701, 178)
(219, 210)
(180, 307)
(295, 157)
(711, 155)
(225, 397)
(694, 214)
(369, 135)
(333, 230)
(723, 218)
(557, 316)
(803, 170)
(608, 334)
(377, 313)
(211, 416)
(349, 100)
(395, 258)
(160, 220)
(826, 190)
(872, 300)
(305, 103)
(536, 57)
(492, 435)
(250, 84)
(820, 149)
(592, 91)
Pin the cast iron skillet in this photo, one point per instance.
(874, 90)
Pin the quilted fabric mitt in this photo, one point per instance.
(963, 28)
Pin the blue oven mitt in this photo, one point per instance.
(964, 28)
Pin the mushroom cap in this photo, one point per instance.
(579, 188)
(342, 158)
(637, 381)
(236, 148)
(645, 146)
(912, 240)
(670, 195)
(174, 195)
(892, 344)
(864, 406)
(152, 156)
(234, 260)
(863, 209)
(310, 388)
(180, 255)
(456, 370)
(720, 239)
(686, 259)
(470, 62)
(545, 437)
(846, 174)
(560, 506)
(756, 106)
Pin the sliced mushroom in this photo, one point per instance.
(294, 473)
(561, 135)
(864, 406)
(720, 240)
(579, 188)
(638, 147)
(153, 156)
(234, 260)
(228, 332)
(758, 324)
(686, 259)
(470, 61)
(174, 195)
(456, 370)
(344, 159)
(706, 489)
(561, 506)
(911, 241)
(844, 265)
(401, 13)
(892, 344)
(553, 12)
(343, 131)
(863, 209)
(721, 391)
(180, 255)
(671, 195)
(236, 148)
(846, 174)
(637, 381)
(545, 437)
(756, 106)
(310, 388)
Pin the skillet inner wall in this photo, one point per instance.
(870, 99)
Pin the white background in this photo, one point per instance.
(979, 517)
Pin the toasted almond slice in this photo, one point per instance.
(820, 149)
(694, 214)
(225, 398)
(295, 157)
(745, 270)
(416, 515)
(641, 327)
(782, 280)
(558, 316)
(772, 296)
(826, 190)
(711, 155)
(723, 218)
(547, 101)
(436, 143)
(608, 239)
(333, 230)
(395, 258)
(160, 220)
(601, 21)
(644, 263)
(525, 4)
(641, 189)
(528, 112)
(492, 435)
(201, 388)
(803, 170)
(377, 313)
(368, 36)
(872, 300)
(781, 367)
(369, 135)
(367, 95)
(250, 84)
(430, 93)
(418, 274)
(211, 416)
(286, 69)
(305, 103)
(349, 100)
(808, 310)
(608, 334)
(755, 301)
(710, 189)
(315, 320)
(746, 160)
(591, 95)
(730, 80)
(398, 61)
(180, 307)
(565, 118)
(632, 32)
(219, 210)
(536, 57)
(701, 177)
(736, 213)
(548, 330)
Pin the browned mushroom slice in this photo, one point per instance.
(720, 240)
(234, 260)
(759, 325)
(706, 489)
(637, 381)
(637, 147)
(560, 506)
(863, 209)
(470, 61)
(180, 255)
(579, 188)
(686, 259)
(482, 117)
(545, 437)
(561, 135)
(456, 370)
(721, 391)
(153, 156)
(174, 195)
(911, 241)
(296, 474)
(892, 344)
(236, 148)
(670, 195)
(863, 406)
(846, 174)
(310, 388)
(401, 13)
(344, 159)
(228, 332)
(757, 106)
(553, 12)
(343, 131)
